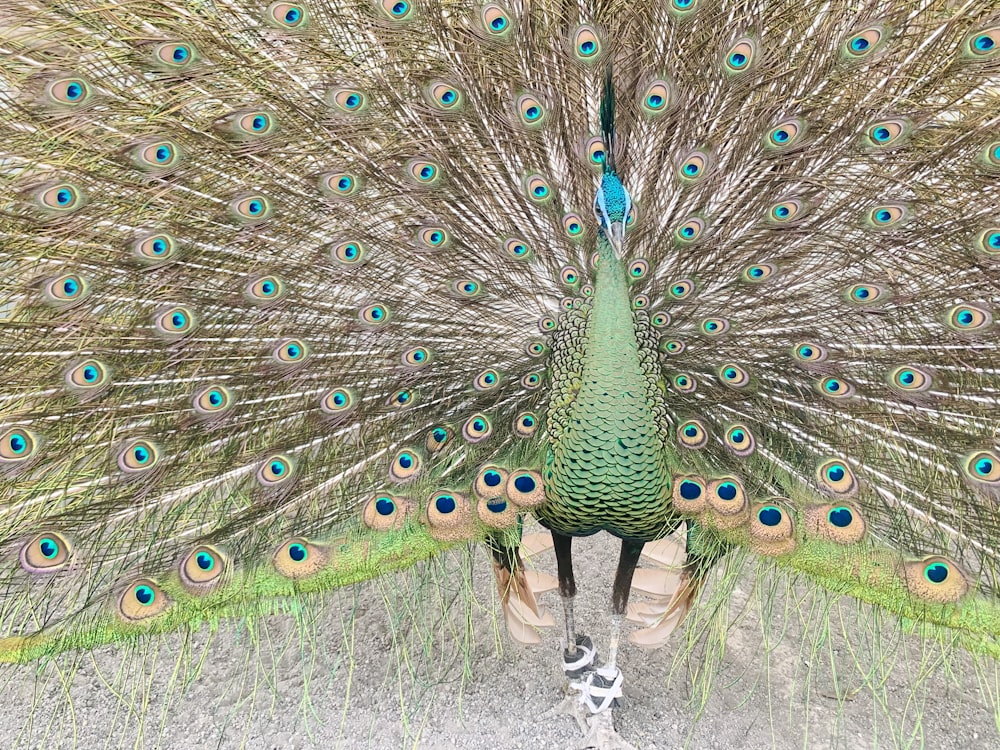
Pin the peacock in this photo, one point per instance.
(300, 295)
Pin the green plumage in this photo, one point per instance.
(301, 295)
(607, 464)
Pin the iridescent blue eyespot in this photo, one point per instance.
(841, 517)
(445, 504)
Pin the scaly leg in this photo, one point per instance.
(598, 689)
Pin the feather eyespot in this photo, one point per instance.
(836, 388)
(157, 156)
(251, 209)
(690, 230)
(46, 552)
(487, 380)
(573, 226)
(910, 379)
(175, 322)
(886, 133)
(141, 600)
(202, 568)
(433, 238)
(438, 437)
(866, 294)
(384, 512)
(445, 96)
(983, 44)
(983, 466)
(17, 445)
(299, 558)
(70, 91)
(405, 466)
(785, 135)
(175, 55)
(477, 428)
(60, 198)
(689, 495)
(836, 477)
(423, 172)
(264, 290)
(685, 383)
(809, 352)
(138, 456)
(525, 424)
(883, 217)
(595, 152)
(66, 291)
(339, 184)
(638, 269)
(656, 98)
(740, 440)
(417, 358)
(525, 488)
(496, 21)
(290, 351)
(155, 248)
(988, 241)
(863, 43)
(759, 272)
(935, 579)
(734, 376)
(348, 100)
(275, 470)
(740, 57)
(714, 326)
(396, 10)
(89, 375)
(586, 44)
(728, 501)
(569, 276)
(694, 166)
(537, 189)
(286, 15)
(530, 110)
(255, 123)
(969, 318)
(786, 212)
(349, 253)
(517, 248)
(681, 289)
(338, 401)
(213, 400)
(692, 434)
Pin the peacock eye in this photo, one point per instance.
(586, 44)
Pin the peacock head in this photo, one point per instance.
(612, 204)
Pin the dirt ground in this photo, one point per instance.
(408, 686)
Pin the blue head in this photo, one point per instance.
(612, 204)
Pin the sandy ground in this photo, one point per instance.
(409, 686)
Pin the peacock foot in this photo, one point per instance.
(591, 707)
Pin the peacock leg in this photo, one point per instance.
(627, 562)
(595, 690)
(580, 654)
